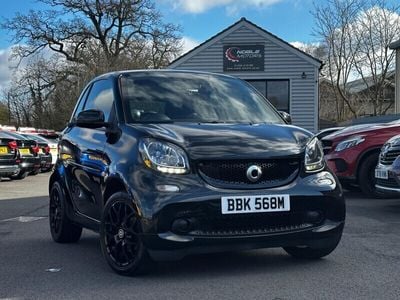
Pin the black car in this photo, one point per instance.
(170, 163)
(28, 154)
(9, 159)
(44, 151)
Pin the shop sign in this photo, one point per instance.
(244, 58)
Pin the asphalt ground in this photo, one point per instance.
(366, 264)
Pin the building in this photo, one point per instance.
(287, 76)
(396, 46)
(361, 93)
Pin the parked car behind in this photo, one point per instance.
(29, 155)
(9, 157)
(166, 164)
(352, 153)
(46, 158)
(387, 172)
(327, 131)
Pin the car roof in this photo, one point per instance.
(14, 135)
(116, 74)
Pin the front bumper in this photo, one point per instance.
(391, 184)
(344, 163)
(29, 164)
(169, 246)
(316, 217)
(46, 161)
(9, 170)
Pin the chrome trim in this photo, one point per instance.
(387, 188)
(249, 173)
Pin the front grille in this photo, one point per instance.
(327, 146)
(389, 183)
(261, 231)
(232, 173)
(250, 224)
(388, 157)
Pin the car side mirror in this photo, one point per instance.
(91, 118)
(286, 117)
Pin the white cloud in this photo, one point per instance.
(189, 44)
(298, 45)
(6, 67)
(231, 6)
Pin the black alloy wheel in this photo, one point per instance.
(61, 228)
(120, 236)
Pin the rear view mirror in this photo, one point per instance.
(286, 117)
(91, 118)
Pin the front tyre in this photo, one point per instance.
(367, 178)
(120, 236)
(61, 227)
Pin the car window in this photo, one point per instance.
(168, 97)
(101, 97)
(81, 103)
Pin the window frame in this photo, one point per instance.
(265, 81)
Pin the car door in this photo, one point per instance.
(86, 166)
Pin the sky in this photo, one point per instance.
(290, 20)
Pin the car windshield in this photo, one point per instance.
(193, 97)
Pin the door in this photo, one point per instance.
(87, 166)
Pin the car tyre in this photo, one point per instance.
(120, 237)
(366, 179)
(62, 229)
(311, 252)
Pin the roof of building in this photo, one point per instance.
(243, 20)
(359, 85)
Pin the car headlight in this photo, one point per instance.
(351, 142)
(314, 156)
(163, 157)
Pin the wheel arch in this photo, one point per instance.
(55, 176)
(113, 184)
(363, 157)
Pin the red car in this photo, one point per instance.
(352, 153)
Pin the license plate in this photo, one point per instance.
(3, 150)
(24, 151)
(381, 174)
(255, 204)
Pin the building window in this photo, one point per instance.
(276, 91)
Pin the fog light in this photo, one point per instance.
(167, 188)
(181, 226)
(313, 216)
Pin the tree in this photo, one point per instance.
(333, 26)
(357, 35)
(105, 33)
(76, 40)
(4, 115)
(375, 29)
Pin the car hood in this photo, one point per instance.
(231, 141)
(358, 129)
